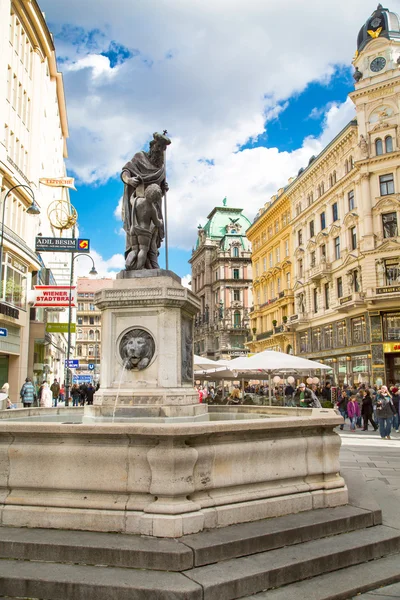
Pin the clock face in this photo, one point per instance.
(378, 64)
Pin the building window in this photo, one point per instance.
(391, 326)
(326, 292)
(13, 281)
(287, 248)
(303, 342)
(328, 337)
(79, 334)
(312, 232)
(278, 254)
(236, 252)
(91, 335)
(359, 331)
(257, 273)
(389, 223)
(312, 259)
(300, 266)
(356, 280)
(341, 333)
(323, 251)
(392, 271)
(378, 147)
(323, 222)
(235, 273)
(91, 320)
(270, 260)
(388, 143)
(79, 351)
(386, 184)
(353, 238)
(300, 237)
(236, 295)
(350, 197)
(339, 286)
(335, 214)
(80, 321)
(264, 263)
(316, 340)
(276, 226)
(336, 242)
(315, 298)
(288, 280)
(236, 319)
(278, 285)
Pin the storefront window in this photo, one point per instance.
(303, 340)
(316, 340)
(360, 368)
(391, 326)
(359, 330)
(341, 333)
(13, 288)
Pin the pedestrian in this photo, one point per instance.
(327, 392)
(303, 396)
(353, 412)
(27, 393)
(289, 393)
(90, 394)
(342, 406)
(367, 411)
(55, 390)
(396, 401)
(384, 410)
(46, 398)
(62, 393)
(76, 395)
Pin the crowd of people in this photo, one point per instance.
(47, 396)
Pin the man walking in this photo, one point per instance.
(27, 393)
(55, 390)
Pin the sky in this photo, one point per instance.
(248, 90)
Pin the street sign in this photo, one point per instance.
(55, 244)
(60, 327)
(3, 332)
(82, 379)
(54, 295)
(83, 245)
(91, 367)
(73, 363)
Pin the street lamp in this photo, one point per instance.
(33, 209)
(91, 272)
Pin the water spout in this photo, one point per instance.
(119, 388)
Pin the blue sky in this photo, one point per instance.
(245, 104)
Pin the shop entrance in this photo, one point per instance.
(392, 362)
(3, 370)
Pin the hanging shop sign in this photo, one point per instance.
(68, 182)
(54, 295)
(55, 244)
(60, 327)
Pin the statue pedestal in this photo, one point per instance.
(146, 365)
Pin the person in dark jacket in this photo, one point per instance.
(327, 392)
(90, 394)
(306, 397)
(367, 410)
(396, 402)
(384, 410)
(342, 406)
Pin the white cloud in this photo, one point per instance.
(187, 281)
(214, 74)
(104, 268)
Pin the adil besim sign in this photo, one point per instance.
(54, 295)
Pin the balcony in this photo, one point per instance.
(320, 271)
(351, 301)
(265, 335)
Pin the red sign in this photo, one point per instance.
(55, 295)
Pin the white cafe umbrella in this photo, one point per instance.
(201, 363)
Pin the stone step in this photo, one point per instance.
(51, 581)
(245, 576)
(366, 579)
(118, 550)
(89, 548)
(260, 536)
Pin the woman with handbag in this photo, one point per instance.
(384, 411)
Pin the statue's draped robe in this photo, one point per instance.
(140, 166)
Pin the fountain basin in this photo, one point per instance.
(168, 479)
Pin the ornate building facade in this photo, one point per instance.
(221, 279)
(345, 225)
(271, 239)
(33, 133)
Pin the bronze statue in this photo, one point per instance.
(141, 211)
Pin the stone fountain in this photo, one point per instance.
(147, 458)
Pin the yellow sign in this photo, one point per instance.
(68, 182)
(391, 347)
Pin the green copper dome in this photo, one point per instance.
(226, 222)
